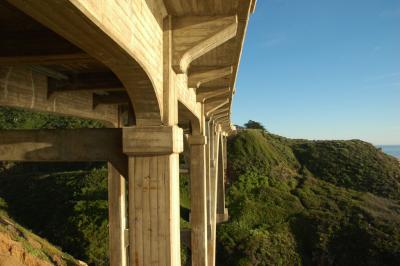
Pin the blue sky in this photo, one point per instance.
(323, 69)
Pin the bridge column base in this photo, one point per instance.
(154, 233)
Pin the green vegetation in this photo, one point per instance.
(67, 208)
(291, 202)
(11, 118)
(65, 203)
(294, 202)
(351, 164)
(254, 125)
(184, 187)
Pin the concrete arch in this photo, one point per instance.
(79, 25)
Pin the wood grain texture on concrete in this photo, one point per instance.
(152, 69)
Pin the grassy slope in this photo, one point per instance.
(64, 202)
(25, 244)
(351, 164)
(28, 242)
(295, 203)
(69, 208)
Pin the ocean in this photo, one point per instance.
(393, 150)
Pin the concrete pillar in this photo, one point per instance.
(154, 233)
(222, 212)
(214, 133)
(225, 153)
(198, 189)
(208, 175)
(221, 180)
(117, 216)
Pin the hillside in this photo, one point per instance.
(66, 203)
(298, 202)
(19, 246)
(291, 202)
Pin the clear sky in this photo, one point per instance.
(322, 69)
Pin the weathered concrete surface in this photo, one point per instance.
(148, 66)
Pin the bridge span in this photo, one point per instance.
(161, 75)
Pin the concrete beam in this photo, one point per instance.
(23, 87)
(220, 116)
(194, 36)
(39, 48)
(199, 77)
(221, 111)
(85, 82)
(146, 141)
(64, 145)
(204, 96)
(111, 98)
(214, 106)
(217, 98)
(54, 59)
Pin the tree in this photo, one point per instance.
(254, 125)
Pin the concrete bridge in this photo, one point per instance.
(161, 75)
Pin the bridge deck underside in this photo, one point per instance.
(162, 74)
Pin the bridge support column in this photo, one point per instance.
(222, 212)
(154, 233)
(117, 216)
(198, 188)
(214, 141)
